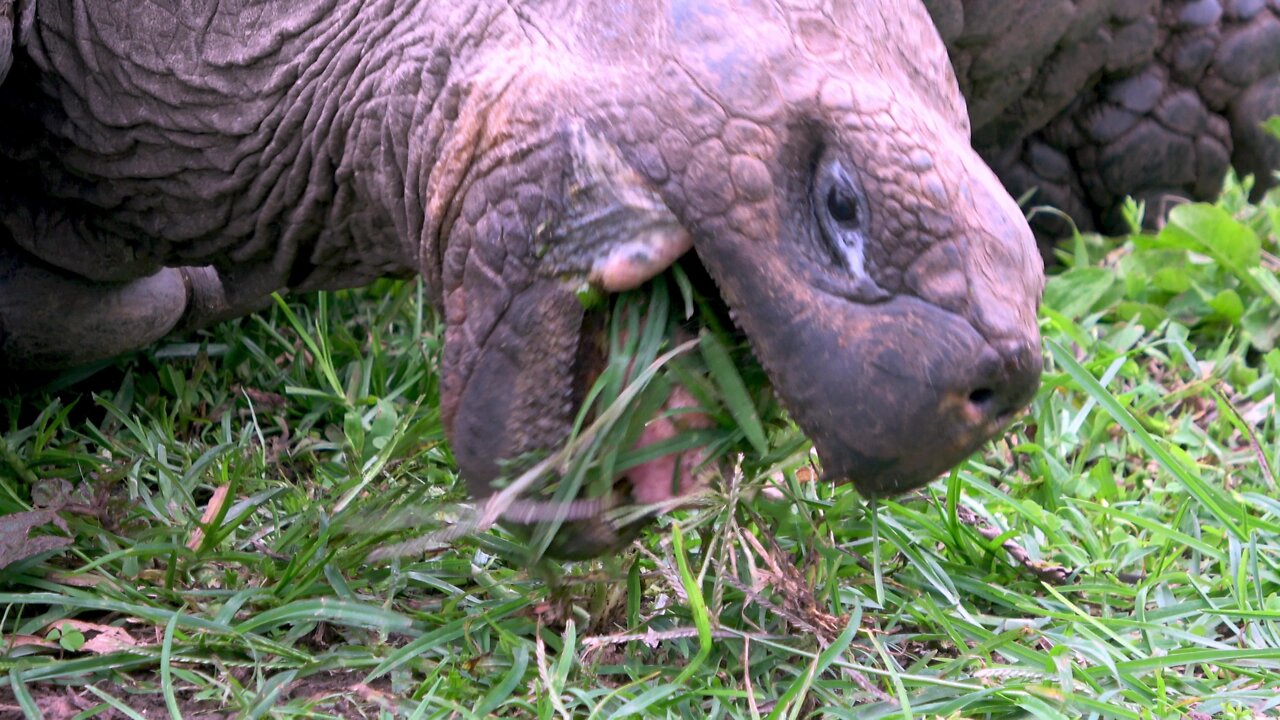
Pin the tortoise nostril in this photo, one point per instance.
(1005, 379)
(982, 397)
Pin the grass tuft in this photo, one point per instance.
(233, 522)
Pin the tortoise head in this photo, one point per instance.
(886, 280)
(820, 166)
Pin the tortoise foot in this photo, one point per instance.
(51, 319)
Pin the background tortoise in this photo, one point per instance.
(1087, 103)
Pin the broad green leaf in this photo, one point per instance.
(1272, 359)
(1211, 231)
(1228, 304)
(1174, 280)
(1268, 281)
(1273, 125)
(1145, 314)
(1261, 324)
(1076, 292)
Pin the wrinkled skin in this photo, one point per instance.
(819, 166)
(1089, 102)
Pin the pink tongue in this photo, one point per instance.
(670, 476)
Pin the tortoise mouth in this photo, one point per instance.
(892, 392)
(606, 514)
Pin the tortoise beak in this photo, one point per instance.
(892, 393)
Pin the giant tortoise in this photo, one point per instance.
(164, 165)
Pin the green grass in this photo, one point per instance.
(1116, 555)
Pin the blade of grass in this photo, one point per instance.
(697, 607)
(899, 688)
(166, 668)
(268, 693)
(444, 634)
(110, 699)
(1195, 485)
(733, 391)
(23, 694)
(330, 610)
(501, 692)
(636, 706)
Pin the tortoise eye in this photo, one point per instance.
(840, 209)
(842, 206)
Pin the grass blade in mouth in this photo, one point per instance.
(651, 353)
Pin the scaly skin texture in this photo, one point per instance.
(818, 162)
(1090, 102)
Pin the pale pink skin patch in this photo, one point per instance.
(670, 476)
(635, 262)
